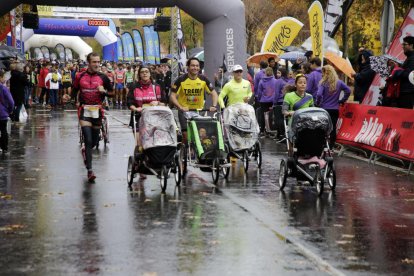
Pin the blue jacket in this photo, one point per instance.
(312, 84)
(6, 102)
(266, 91)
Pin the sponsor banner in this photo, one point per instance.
(120, 49)
(149, 46)
(385, 130)
(395, 50)
(281, 34)
(138, 13)
(138, 44)
(316, 24)
(156, 45)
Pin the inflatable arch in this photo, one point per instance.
(74, 27)
(224, 23)
(73, 42)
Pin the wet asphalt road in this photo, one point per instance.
(53, 222)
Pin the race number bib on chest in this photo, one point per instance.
(91, 111)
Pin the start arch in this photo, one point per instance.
(223, 21)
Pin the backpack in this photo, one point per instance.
(55, 78)
(393, 86)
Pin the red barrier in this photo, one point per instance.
(385, 130)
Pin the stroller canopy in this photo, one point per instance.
(241, 126)
(157, 127)
(311, 118)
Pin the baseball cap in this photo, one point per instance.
(411, 77)
(237, 67)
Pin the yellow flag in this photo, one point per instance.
(282, 33)
(316, 23)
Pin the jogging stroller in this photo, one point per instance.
(309, 156)
(242, 132)
(158, 136)
(205, 149)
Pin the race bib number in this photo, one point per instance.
(91, 111)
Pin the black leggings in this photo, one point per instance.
(90, 137)
(334, 113)
(4, 136)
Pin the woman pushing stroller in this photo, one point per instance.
(143, 93)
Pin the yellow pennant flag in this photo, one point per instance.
(316, 23)
(281, 34)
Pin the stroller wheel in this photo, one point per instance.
(177, 170)
(163, 178)
(226, 170)
(246, 160)
(318, 181)
(283, 174)
(183, 160)
(130, 170)
(215, 170)
(331, 177)
(258, 155)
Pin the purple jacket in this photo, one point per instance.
(327, 100)
(278, 98)
(257, 79)
(313, 82)
(266, 90)
(6, 102)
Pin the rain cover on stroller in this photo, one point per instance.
(241, 126)
(311, 118)
(157, 127)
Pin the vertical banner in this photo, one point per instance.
(38, 55)
(138, 44)
(149, 46)
(128, 46)
(68, 54)
(120, 50)
(280, 34)
(125, 46)
(60, 50)
(316, 25)
(45, 52)
(334, 15)
(156, 44)
(182, 50)
(395, 50)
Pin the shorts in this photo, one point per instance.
(119, 86)
(94, 121)
(66, 84)
(183, 120)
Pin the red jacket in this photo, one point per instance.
(42, 75)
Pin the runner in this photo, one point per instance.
(238, 90)
(66, 83)
(119, 80)
(188, 93)
(93, 86)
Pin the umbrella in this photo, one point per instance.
(292, 56)
(258, 57)
(293, 49)
(340, 64)
(379, 64)
(2, 66)
(200, 56)
(10, 52)
(194, 51)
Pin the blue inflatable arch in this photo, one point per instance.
(224, 23)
